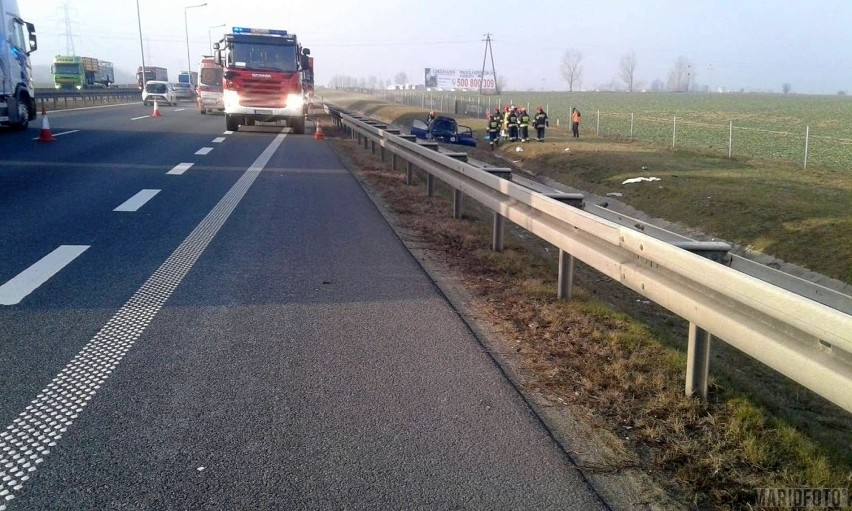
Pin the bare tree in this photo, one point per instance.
(786, 88)
(572, 72)
(682, 75)
(400, 78)
(627, 69)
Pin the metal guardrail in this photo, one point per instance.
(807, 341)
(51, 99)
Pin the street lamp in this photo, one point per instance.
(141, 46)
(186, 29)
(209, 37)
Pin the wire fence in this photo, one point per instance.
(801, 147)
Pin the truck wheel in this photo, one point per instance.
(231, 123)
(202, 111)
(23, 107)
(297, 124)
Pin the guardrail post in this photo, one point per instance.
(393, 155)
(565, 282)
(458, 196)
(409, 167)
(498, 231)
(566, 276)
(430, 179)
(499, 226)
(697, 361)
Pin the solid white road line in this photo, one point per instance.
(137, 201)
(137, 118)
(60, 134)
(27, 441)
(180, 168)
(218, 140)
(29, 280)
(204, 150)
(227, 132)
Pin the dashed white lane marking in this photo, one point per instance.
(25, 443)
(137, 201)
(142, 117)
(178, 109)
(227, 132)
(204, 150)
(218, 140)
(29, 280)
(180, 168)
(60, 133)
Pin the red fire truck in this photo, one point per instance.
(263, 77)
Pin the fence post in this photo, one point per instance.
(631, 125)
(730, 139)
(807, 139)
(674, 130)
(598, 129)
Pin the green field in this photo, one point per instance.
(765, 126)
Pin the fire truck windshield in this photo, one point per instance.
(264, 57)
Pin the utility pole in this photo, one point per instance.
(488, 49)
(69, 34)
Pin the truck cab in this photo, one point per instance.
(17, 42)
(262, 81)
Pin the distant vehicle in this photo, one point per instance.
(189, 77)
(183, 91)
(73, 72)
(157, 74)
(159, 91)
(444, 129)
(209, 95)
(17, 94)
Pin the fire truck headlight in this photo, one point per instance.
(231, 98)
(295, 101)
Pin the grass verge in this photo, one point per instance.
(609, 368)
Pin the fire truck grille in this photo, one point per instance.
(262, 93)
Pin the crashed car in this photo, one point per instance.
(443, 129)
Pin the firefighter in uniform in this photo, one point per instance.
(493, 131)
(540, 122)
(513, 124)
(524, 124)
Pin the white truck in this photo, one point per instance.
(17, 41)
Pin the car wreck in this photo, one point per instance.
(443, 129)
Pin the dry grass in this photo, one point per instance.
(607, 366)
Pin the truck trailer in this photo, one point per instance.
(159, 74)
(263, 77)
(17, 42)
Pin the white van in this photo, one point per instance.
(163, 92)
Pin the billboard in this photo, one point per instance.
(437, 78)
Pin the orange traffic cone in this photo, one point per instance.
(45, 135)
(318, 135)
(156, 110)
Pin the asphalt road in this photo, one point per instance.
(243, 333)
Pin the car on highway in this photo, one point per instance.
(159, 91)
(184, 91)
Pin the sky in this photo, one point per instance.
(752, 45)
